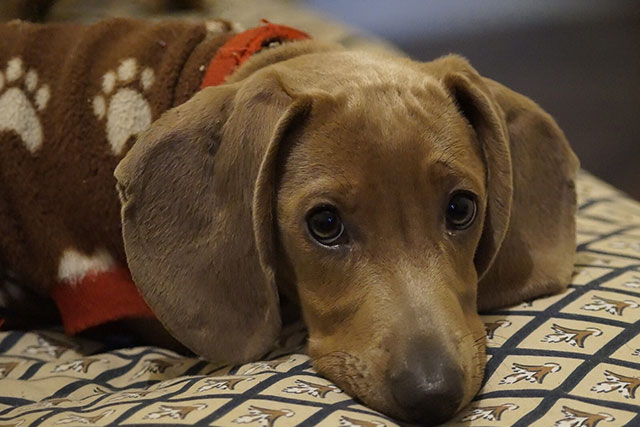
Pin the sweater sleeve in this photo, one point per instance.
(73, 99)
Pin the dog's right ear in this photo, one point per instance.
(528, 241)
(477, 106)
(187, 188)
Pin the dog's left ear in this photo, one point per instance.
(198, 228)
(527, 246)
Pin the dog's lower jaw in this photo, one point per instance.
(373, 385)
(351, 374)
(474, 374)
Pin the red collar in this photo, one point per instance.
(241, 46)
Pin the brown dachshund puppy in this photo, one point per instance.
(393, 199)
(389, 199)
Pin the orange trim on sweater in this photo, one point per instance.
(240, 48)
(98, 298)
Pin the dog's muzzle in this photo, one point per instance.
(427, 384)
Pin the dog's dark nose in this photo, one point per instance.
(427, 384)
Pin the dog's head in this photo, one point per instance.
(374, 190)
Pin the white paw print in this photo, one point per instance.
(20, 102)
(126, 110)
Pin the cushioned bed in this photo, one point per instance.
(566, 360)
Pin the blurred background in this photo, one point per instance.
(579, 59)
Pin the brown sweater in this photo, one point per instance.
(73, 98)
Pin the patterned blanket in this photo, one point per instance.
(569, 360)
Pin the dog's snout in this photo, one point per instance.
(427, 384)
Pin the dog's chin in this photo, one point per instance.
(356, 378)
(363, 379)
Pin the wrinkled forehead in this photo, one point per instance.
(388, 132)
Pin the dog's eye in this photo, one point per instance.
(325, 225)
(461, 210)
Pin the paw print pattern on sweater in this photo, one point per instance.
(22, 98)
(123, 104)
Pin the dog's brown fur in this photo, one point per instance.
(215, 194)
